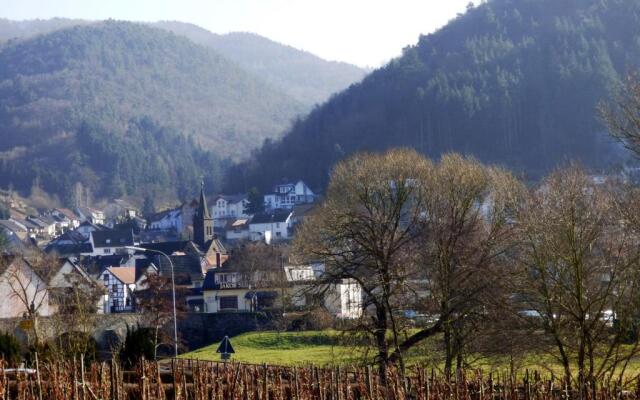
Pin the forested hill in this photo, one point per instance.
(20, 29)
(302, 75)
(110, 76)
(512, 82)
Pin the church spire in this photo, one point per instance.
(203, 210)
(202, 221)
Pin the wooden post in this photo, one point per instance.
(175, 380)
(369, 383)
(296, 383)
(39, 381)
(265, 385)
(83, 392)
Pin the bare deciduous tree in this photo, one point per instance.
(155, 302)
(580, 275)
(366, 231)
(466, 236)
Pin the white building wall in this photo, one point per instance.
(12, 304)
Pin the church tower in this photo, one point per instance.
(202, 221)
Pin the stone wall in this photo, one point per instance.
(202, 329)
(195, 329)
(105, 328)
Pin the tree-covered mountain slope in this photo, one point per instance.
(111, 75)
(302, 75)
(10, 29)
(512, 82)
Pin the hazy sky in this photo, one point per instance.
(363, 32)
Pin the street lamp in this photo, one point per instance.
(173, 291)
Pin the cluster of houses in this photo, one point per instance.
(194, 241)
(283, 208)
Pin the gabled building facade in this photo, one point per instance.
(287, 195)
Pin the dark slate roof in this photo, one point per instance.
(96, 265)
(112, 238)
(72, 236)
(231, 198)
(167, 247)
(29, 224)
(64, 250)
(142, 264)
(136, 225)
(209, 281)
(274, 216)
(11, 225)
(187, 268)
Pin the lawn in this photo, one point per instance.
(332, 348)
(287, 348)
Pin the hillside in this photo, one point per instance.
(512, 82)
(110, 76)
(302, 75)
(21, 29)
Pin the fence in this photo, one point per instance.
(204, 380)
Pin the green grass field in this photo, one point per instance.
(287, 348)
(332, 348)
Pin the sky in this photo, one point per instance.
(362, 32)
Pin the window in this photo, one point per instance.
(277, 224)
(228, 302)
(278, 234)
(106, 277)
(114, 287)
(106, 251)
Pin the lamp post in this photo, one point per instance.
(173, 292)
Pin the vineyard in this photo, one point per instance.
(205, 380)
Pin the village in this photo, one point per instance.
(197, 245)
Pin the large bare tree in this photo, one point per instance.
(467, 235)
(366, 231)
(417, 237)
(580, 274)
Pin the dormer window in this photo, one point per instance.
(108, 241)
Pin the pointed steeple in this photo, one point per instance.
(202, 221)
(203, 210)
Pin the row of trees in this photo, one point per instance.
(469, 246)
(487, 259)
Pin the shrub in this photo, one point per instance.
(137, 344)
(314, 320)
(10, 348)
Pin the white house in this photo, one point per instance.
(270, 226)
(344, 299)
(86, 227)
(29, 285)
(92, 215)
(229, 290)
(21, 289)
(178, 219)
(288, 195)
(119, 284)
(166, 220)
(238, 229)
(67, 218)
(109, 242)
(225, 206)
